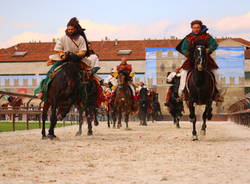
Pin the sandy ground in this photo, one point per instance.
(159, 153)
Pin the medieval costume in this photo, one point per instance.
(186, 47)
(74, 43)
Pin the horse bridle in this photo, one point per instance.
(199, 57)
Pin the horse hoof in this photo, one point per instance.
(44, 137)
(203, 132)
(51, 137)
(178, 126)
(90, 133)
(195, 138)
(78, 133)
(96, 123)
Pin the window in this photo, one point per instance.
(18, 53)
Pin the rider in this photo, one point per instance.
(186, 46)
(141, 85)
(111, 80)
(126, 69)
(73, 41)
(170, 77)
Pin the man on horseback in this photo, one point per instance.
(186, 47)
(126, 69)
(111, 80)
(73, 41)
(170, 77)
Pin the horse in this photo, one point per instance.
(15, 102)
(63, 92)
(109, 110)
(122, 101)
(175, 105)
(156, 108)
(200, 88)
(143, 106)
(89, 107)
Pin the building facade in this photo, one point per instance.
(23, 66)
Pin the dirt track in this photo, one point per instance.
(159, 153)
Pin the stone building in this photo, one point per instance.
(23, 66)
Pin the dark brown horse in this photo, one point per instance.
(175, 106)
(122, 101)
(143, 106)
(200, 88)
(63, 92)
(89, 106)
(15, 102)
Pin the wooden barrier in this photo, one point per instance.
(27, 110)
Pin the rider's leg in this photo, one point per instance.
(168, 97)
(39, 92)
(133, 96)
(216, 76)
(218, 97)
(182, 82)
(132, 89)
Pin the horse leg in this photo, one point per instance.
(96, 122)
(44, 117)
(108, 119)
(114, 118)
(80, 122)
(177, 120)
(89, 121)
(207, 115)
(126, 119)
(119, 124)
(145, 119)
(193, 120)
(53, 121)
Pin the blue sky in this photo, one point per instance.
(21, 20)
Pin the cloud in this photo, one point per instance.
(24, 25)
(96, 31)
(234, 26)
(30, 37)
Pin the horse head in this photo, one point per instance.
(71, 57)
(121, 79)
(200, 56)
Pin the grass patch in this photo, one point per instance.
(8, 126)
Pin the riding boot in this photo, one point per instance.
(168, 97)
(218, 98)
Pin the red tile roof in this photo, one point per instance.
(107, 50)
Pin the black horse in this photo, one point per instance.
(175, 105)
(63, 93)
(156, 108)
(122, 101)
(200, 88)
(143, 106)
(89, 106)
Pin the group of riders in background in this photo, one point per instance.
(73, 79)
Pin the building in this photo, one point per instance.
(23, 66)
